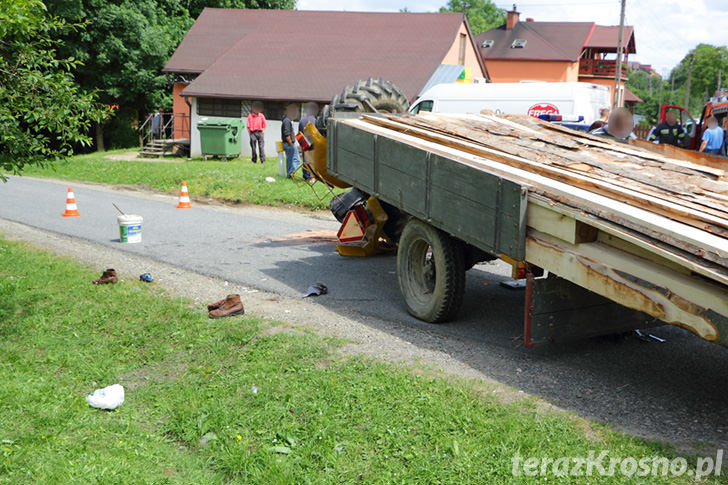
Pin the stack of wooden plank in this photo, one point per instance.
(676, 206)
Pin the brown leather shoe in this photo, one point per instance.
(230, 307)
(108, 276)
(216, 305)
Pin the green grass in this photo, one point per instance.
(317, 417)
(232, 182)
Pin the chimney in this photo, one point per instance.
(512, 18)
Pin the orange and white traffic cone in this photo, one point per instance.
(184, 197)
(71, 208)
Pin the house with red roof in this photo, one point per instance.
(557, 52)
(232, 57)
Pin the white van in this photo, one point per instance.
(572, 102)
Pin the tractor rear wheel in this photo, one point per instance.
(370, 96)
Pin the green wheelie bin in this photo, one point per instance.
(220, 137)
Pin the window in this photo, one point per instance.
(487, 44)
(228, 108)
(461, 54)
(422, 106)
(519, 44)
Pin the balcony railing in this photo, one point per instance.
(600, 68)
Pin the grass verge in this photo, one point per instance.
(241, 400)
(232, 182)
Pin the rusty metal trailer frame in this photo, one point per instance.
(620, 279)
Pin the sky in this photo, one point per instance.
(665, 30)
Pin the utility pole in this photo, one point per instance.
(672, 85)
(617, 100)
(662, 87)
(687, 84)
(720, 80)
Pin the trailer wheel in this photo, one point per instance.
(431, 272)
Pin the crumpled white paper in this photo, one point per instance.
(110, 397)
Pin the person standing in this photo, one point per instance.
(603, 117)
(256, 127)
(713, 137)
(157, 124)
(310, 113)
(669, 132)
(287, 136)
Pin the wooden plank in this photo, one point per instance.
(612, 145)
(555, 223)
(654, 225)
(675, 298)
(637, 244)
(691, 156)
(685, 211)
(558, 309)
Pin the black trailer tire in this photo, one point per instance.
(430, 271)
(365, 97)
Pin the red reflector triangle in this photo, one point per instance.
(351, 229)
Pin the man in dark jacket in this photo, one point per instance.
(288, 138)
(669, 131)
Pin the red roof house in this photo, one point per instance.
(554, 51)
(232, 57)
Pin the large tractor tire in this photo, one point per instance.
(431, 272)
(370, 96)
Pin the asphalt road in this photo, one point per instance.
(675, 391)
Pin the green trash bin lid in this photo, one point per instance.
(217, 121)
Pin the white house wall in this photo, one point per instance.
(272, 134)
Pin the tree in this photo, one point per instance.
(123, 50)
(195, 6)
(482, 14)
(708, 62)
(652, 90)
(43, 113)
(127, 43)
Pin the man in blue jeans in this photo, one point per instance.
(712, 137)
(289, 142)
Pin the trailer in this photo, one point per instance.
(607, 237)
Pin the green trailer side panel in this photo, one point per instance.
(480, 208)
(401, 175)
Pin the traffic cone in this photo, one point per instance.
(184, 197)
(71, 209)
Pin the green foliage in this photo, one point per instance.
(482, 14)
(43, 113)
(124, 48)
(652, 90)
(195, 6)
(708, 61)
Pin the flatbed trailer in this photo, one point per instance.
(621, 252)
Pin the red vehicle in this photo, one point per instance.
(717, 106)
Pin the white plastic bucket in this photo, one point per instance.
(130, 228)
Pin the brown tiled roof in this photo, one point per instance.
(309, 55)
(606, 38)
(630, 97)
(552, 41)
